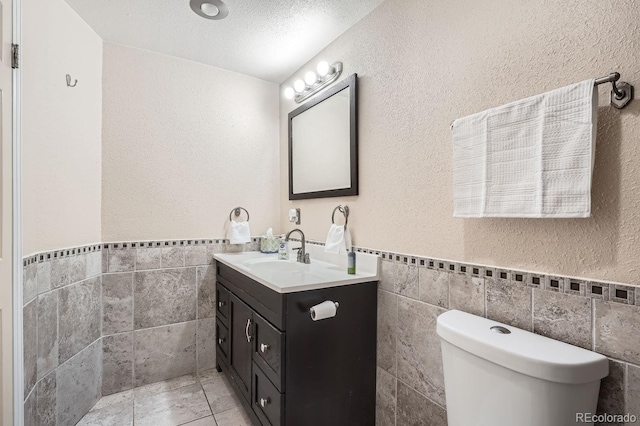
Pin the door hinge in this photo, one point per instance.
(15, 56)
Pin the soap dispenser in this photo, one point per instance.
(282, 251)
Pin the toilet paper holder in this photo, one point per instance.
(313, 314)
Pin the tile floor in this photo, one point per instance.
(206, 399)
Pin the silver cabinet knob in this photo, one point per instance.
(264, 402)
(220, 304)
(220, 341)
(264, 347)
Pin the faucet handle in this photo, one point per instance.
(307, 259)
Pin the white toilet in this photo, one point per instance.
(498, 375)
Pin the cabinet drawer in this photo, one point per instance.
(222, 340)
(268, 402)
(269, 351)
(260, 298)
(222, 302)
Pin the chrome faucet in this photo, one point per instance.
(303, 256)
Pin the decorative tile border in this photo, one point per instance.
(595, 289)
(167, 243)
(59, 254)
(90, 248)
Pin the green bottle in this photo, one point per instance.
(351, 262)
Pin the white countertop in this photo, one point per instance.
(288, 276)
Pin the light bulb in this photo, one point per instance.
(289, 93)
(299, 86)
(209, 9)
(310, 78)
(323, 68)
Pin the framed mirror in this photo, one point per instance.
(323, 144)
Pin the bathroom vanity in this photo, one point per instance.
(287, 368)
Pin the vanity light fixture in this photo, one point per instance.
(310, 78)
(323, 68)
(289, 93)
(313, 83)
(299, 86)
(210, 9)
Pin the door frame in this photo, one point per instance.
(18, 366)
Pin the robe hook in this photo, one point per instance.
(69, 81)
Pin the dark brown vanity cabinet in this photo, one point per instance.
(288, 369)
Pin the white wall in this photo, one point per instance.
(61, 127)
(422, 64)
(184, 143)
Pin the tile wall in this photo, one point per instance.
(62, 334)
(413, 291)
(105, 318)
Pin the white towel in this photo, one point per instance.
(239, 232)
(530, 158)
(338, 240)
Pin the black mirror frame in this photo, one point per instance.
(350, 82)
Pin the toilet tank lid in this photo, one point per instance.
(521, 350)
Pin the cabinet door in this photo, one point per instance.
(241, 317)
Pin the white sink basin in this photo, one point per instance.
(272, 265)
(285, 276)
(283, 271)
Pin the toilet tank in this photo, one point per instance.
(498, 375)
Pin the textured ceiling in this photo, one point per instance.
(265, 39)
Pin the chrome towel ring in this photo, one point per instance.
(236, 211)
(345, 211)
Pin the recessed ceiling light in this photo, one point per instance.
(210, 9)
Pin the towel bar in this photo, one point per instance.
(237, 212)
(621, 92)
